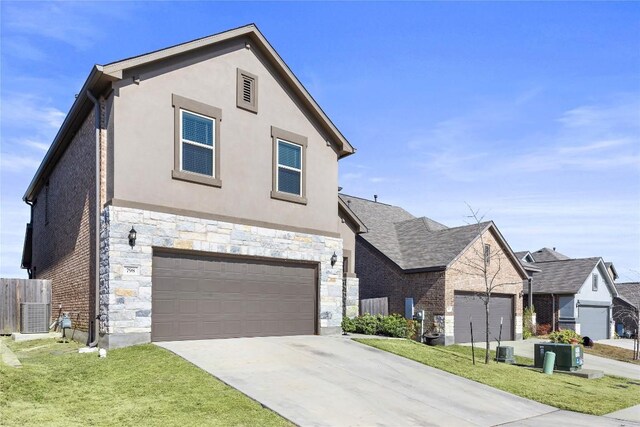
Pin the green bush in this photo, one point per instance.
(348, 324)
(367, 324)
(392, 326)
(565, 336)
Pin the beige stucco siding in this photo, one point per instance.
(347, 232)
(461, 277)
(143, 143)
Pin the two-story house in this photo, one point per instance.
(191, 193)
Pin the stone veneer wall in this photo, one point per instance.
(125, 272)
(353, 296)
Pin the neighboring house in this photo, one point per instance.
(626, 306)
(420, 264)
(570, 293)
(191, 193)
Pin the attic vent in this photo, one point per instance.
(34, 317)
(247, 91)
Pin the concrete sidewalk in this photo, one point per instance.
(525, 348)
(7, 356)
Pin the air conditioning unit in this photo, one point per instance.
(34, 317)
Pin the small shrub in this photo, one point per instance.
(348, 324)
(393, 326)
(565, 336)
(543, 329)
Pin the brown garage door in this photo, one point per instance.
(201, 297)
(469, 305)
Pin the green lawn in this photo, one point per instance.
(141, 385)
(597, 397)
(612, 352)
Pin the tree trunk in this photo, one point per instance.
(486, 332)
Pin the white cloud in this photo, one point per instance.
(28, 111)
(19, 163)
(78, 24)
(585, 138)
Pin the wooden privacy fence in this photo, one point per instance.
(13, 292)
(374, 306)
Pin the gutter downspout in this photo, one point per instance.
(553, 313)
(94, 332)
(30, 203)
(530, 280)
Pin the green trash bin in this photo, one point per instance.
(549, 362)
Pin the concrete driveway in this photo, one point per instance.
(333, 381)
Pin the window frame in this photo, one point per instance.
(291, 138)
(191, 106)
(594, 282)
(486, 253)
(569, 307)
(252, 106)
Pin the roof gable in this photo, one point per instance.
(563, 276)
(546, 254)
(101, 78)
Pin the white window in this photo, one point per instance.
(487, 254)
(289, 174)
(594, 282)
(197, 140)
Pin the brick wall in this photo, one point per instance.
(461, 276)
(62, 246)
(380, 277)
(544, 309)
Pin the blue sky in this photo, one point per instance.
(528, 112)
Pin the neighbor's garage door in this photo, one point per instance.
(469, 305)
(200, 297)
(594, 322)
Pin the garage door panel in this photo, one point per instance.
(594, 322)
(471, 306)
(202, 297)
(162, 306)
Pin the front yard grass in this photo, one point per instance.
(612, 352)
(141, 385)
(597, 397)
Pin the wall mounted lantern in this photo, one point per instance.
(334, 258)
(132, 237)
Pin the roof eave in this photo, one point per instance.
(340, 143)
(66, 130)
(425, 269)
(362, 228)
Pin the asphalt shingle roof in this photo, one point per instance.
(546, 254)
(630, 292)
(562, 276)
(410, 242)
